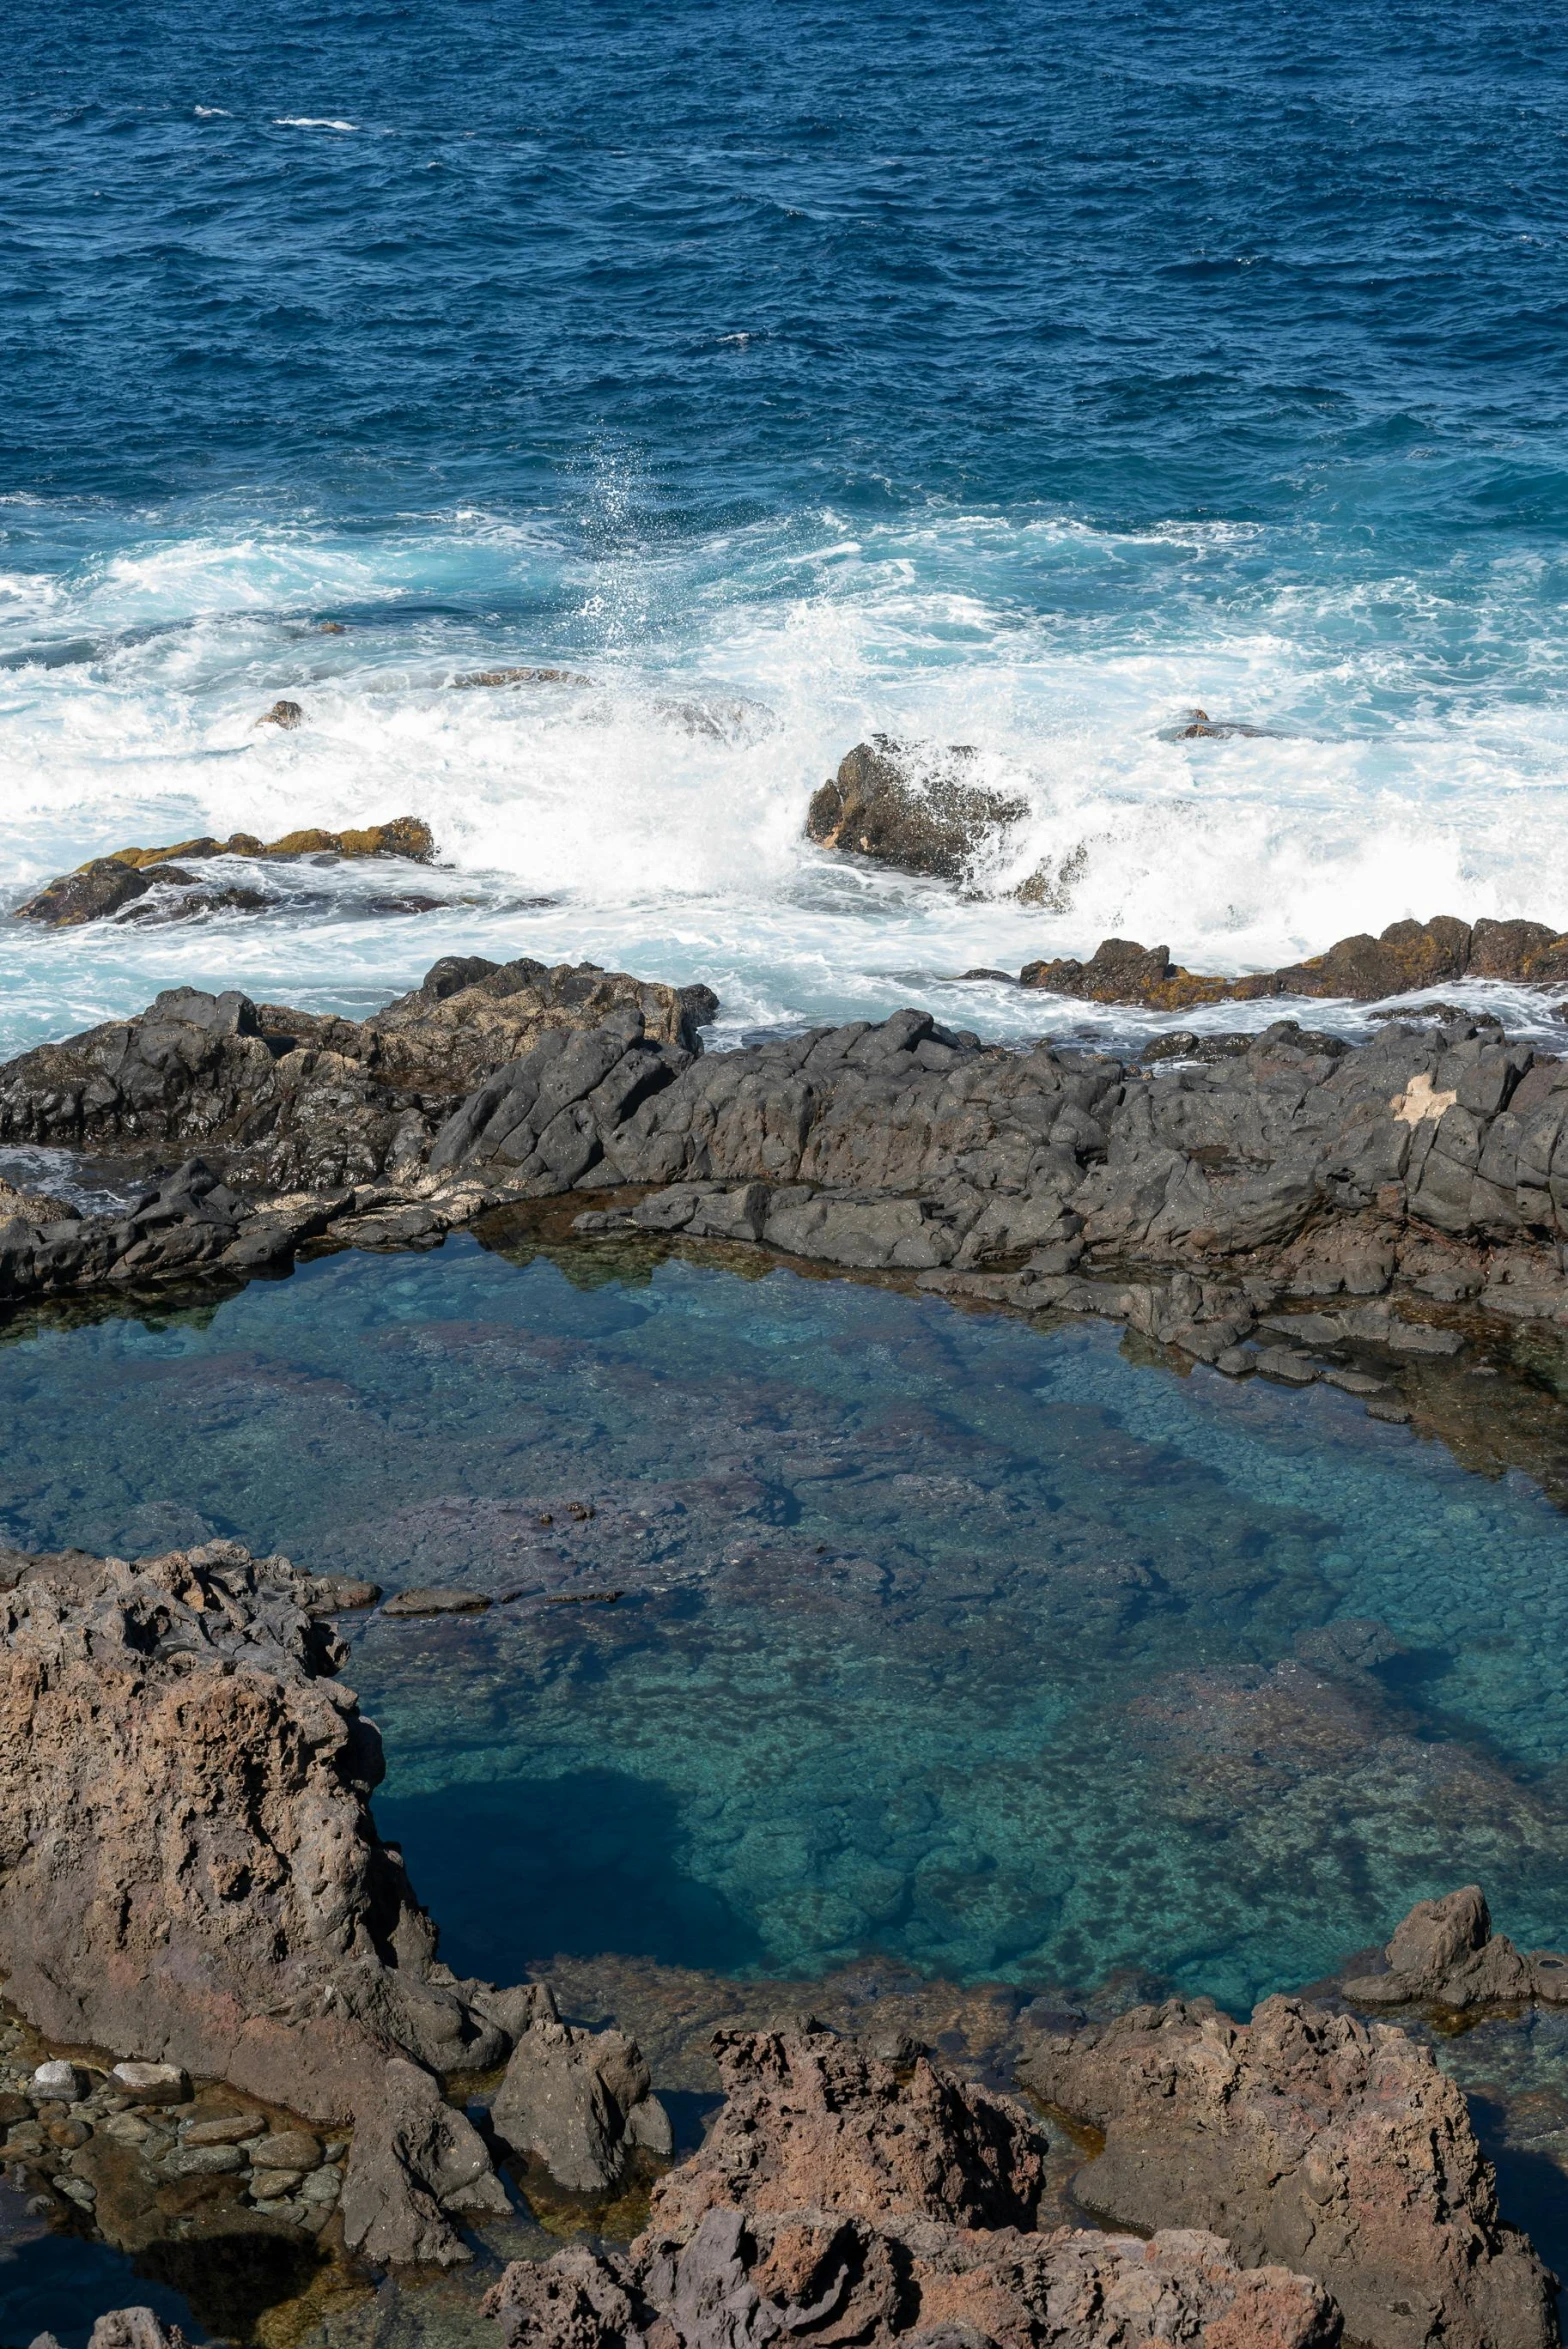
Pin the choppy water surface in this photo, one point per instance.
(940, 1637)
(1017, 378)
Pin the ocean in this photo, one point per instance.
(1016, 378)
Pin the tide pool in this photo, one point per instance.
(833, 1621)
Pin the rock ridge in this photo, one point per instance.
(845, 2200)
(1325, 1196)
(1305, 2136)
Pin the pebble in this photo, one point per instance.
(57, 2080)
(201, 2161)
(152, 2083)
(226, 2129)
(287, 2149)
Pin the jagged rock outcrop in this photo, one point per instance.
(1446, 1954)
(105, 885)
(1425, 1167)
(579, 2101)
(912, 805)
(289, 1098)
(124, 2328)
(1406, 956)
(1305, 2137)
(839, 2199)
(189, 1869)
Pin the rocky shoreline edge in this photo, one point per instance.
(1292, 2182)
(1281, 1203)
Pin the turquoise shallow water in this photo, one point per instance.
(941, 1637)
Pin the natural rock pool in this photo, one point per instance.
(971, 1645)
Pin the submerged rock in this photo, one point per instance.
(521, 677)
(912, 806)
(1408, 956)
(287, 714)
(1446, 1954)
(1304, 2136)
(846, 2201)
(579, 2101)
(108, 884)
(192, 1871)
(1198, 726)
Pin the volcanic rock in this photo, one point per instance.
(839, 2198)
(1446, 1954)
(1305, 2137)
(422, 1601)
(911, 805)
(290, 1097)
(192, 1872)
(152, 2083)
(580, 2102)
(414, 2160)
(107, 883)
(1407, 956)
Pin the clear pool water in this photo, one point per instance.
(942, 1637)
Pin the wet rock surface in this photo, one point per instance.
(1308, 2137)
(914, 806)
(1408, 955)
(107, 885)
(847, 2200)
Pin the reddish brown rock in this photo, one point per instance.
(191, 1872)
(811, 2119)
(1404, 958)
(843, 2201)
(1446, 1954)
(1308, 2138)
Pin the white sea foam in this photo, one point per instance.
(311, 122)
(213, 114)
(661, 804)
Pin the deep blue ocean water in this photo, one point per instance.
(1016, 377)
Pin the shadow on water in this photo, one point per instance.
(570, 1866)
(1532, 2190)
(60, 2284)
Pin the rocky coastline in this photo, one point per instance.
(192, 1879)
(1286, 1203)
